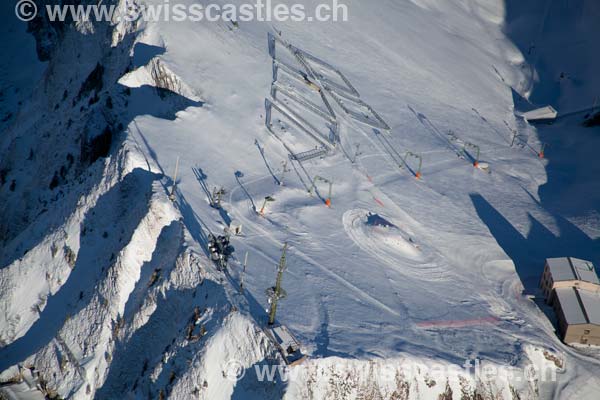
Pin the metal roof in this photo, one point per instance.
(585, 270)
(547, 112)
(591, 304)
(570, 305)
(284, 337)
(569, 269)
(579, 306)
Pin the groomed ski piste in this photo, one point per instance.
(416, 261)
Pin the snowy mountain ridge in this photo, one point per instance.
(106, 286)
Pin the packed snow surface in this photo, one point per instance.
(419, 259)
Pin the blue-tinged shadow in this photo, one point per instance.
(530, 252)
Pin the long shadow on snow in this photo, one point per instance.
(112, 213)
(323, 337)
(198, 229)
(548, 35)
(201, 177)
(157, 102)
(194, 224)
(145, 100)
(143, 53)
(163, 260)
(529, 253)
(526, 23)
(573, 186)
(136, 358)
(261, 150)
(256, 384)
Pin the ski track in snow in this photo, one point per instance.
(393, 247)
(444, 283)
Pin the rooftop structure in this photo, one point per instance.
(543, 114)
(572, 287)
(578, 312)
(568, 272)
(569, 269)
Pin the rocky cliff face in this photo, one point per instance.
(47, 34)
(106, 290)
(68, 122)
(98, 289)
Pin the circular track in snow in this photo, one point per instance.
(396, 247)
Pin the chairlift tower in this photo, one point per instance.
(276, 293)
(217, 196)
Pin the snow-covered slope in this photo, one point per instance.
(106, 288)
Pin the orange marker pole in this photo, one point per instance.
(262, 209)
(264, 206)
(542, 153)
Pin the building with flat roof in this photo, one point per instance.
(578, 313)
(568, 272)
(544, 114)
(572, 287)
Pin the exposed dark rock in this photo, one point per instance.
(93, 83)
(98, 146)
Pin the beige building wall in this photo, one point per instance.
(583, 334)
(548, 285)
(570, 334)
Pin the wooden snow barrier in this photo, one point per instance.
(340, 89)
(295, 120)
(289, 95)
(358, 110)
(325, 72)
(295, 70)
(298, 97)
(302, 79)
(309, 155)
